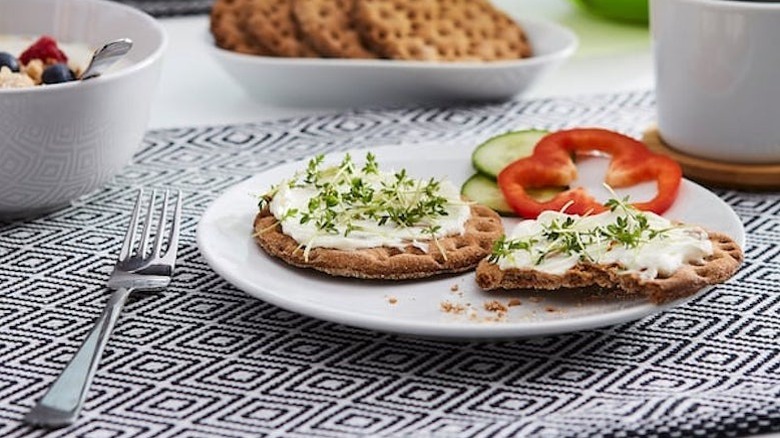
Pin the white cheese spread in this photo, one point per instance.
(348, 207)
(641, 242)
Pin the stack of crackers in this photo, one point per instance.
(429, 30)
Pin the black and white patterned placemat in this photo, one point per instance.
(171, 8)
(204, 359)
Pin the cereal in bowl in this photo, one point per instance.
(42, 62)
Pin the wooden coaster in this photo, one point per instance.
(717, 173)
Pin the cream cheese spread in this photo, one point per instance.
(641, 242)
(348, 207)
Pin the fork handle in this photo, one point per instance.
(61, 404)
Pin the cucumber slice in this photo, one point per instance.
(497, 152)
(483, 190)
(544, 194)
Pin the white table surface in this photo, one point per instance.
(195, 91)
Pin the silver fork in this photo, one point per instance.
(141, 269)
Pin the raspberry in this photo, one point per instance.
(44, 49)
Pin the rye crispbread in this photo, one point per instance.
(462, 252)
(328, 27)
(440, 30)
(717, 268)
(228, 28)
(271, 23)
(434, 30)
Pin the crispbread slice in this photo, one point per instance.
(228, 27)
(717, 268)
(328, 27)
(440, 30)
(462, 252)
(271, 23)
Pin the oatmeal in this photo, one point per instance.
(11, 79)
(27, 62)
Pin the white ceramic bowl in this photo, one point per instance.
(348, 82)
(62, 141)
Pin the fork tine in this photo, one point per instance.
(147, 226)
(173, 240)
(127, 245)
(161, 226)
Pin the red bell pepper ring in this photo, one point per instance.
(551, 164)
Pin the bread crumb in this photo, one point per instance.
(454, 287)
(498, 308)
(450, 307)
(550, 309)
(495, 306)
(514, 302)
(392, 300)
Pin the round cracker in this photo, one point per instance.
(227, 26)
(724, 262)
(271, 23)
(327, 26)
(460, 253)
(440, 30)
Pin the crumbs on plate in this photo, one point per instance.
(450, 307)
(495, 306)
(498, 311)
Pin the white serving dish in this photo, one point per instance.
(350, 82)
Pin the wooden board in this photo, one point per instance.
(717, 173)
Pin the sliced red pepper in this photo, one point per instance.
(551, 164)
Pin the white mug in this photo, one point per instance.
(717, 70)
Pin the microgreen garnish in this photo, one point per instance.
(312, 170)
(371, 166)
(564, 236)
(504, 247)
(345, 197)
(631, 229)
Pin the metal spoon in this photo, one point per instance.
(105, 57)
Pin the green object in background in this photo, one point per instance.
(635, 11)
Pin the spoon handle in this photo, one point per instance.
(106, 56)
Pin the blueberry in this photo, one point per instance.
(57, 73)
(8, 60)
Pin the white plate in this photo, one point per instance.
(224, 238)
(336, 82)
